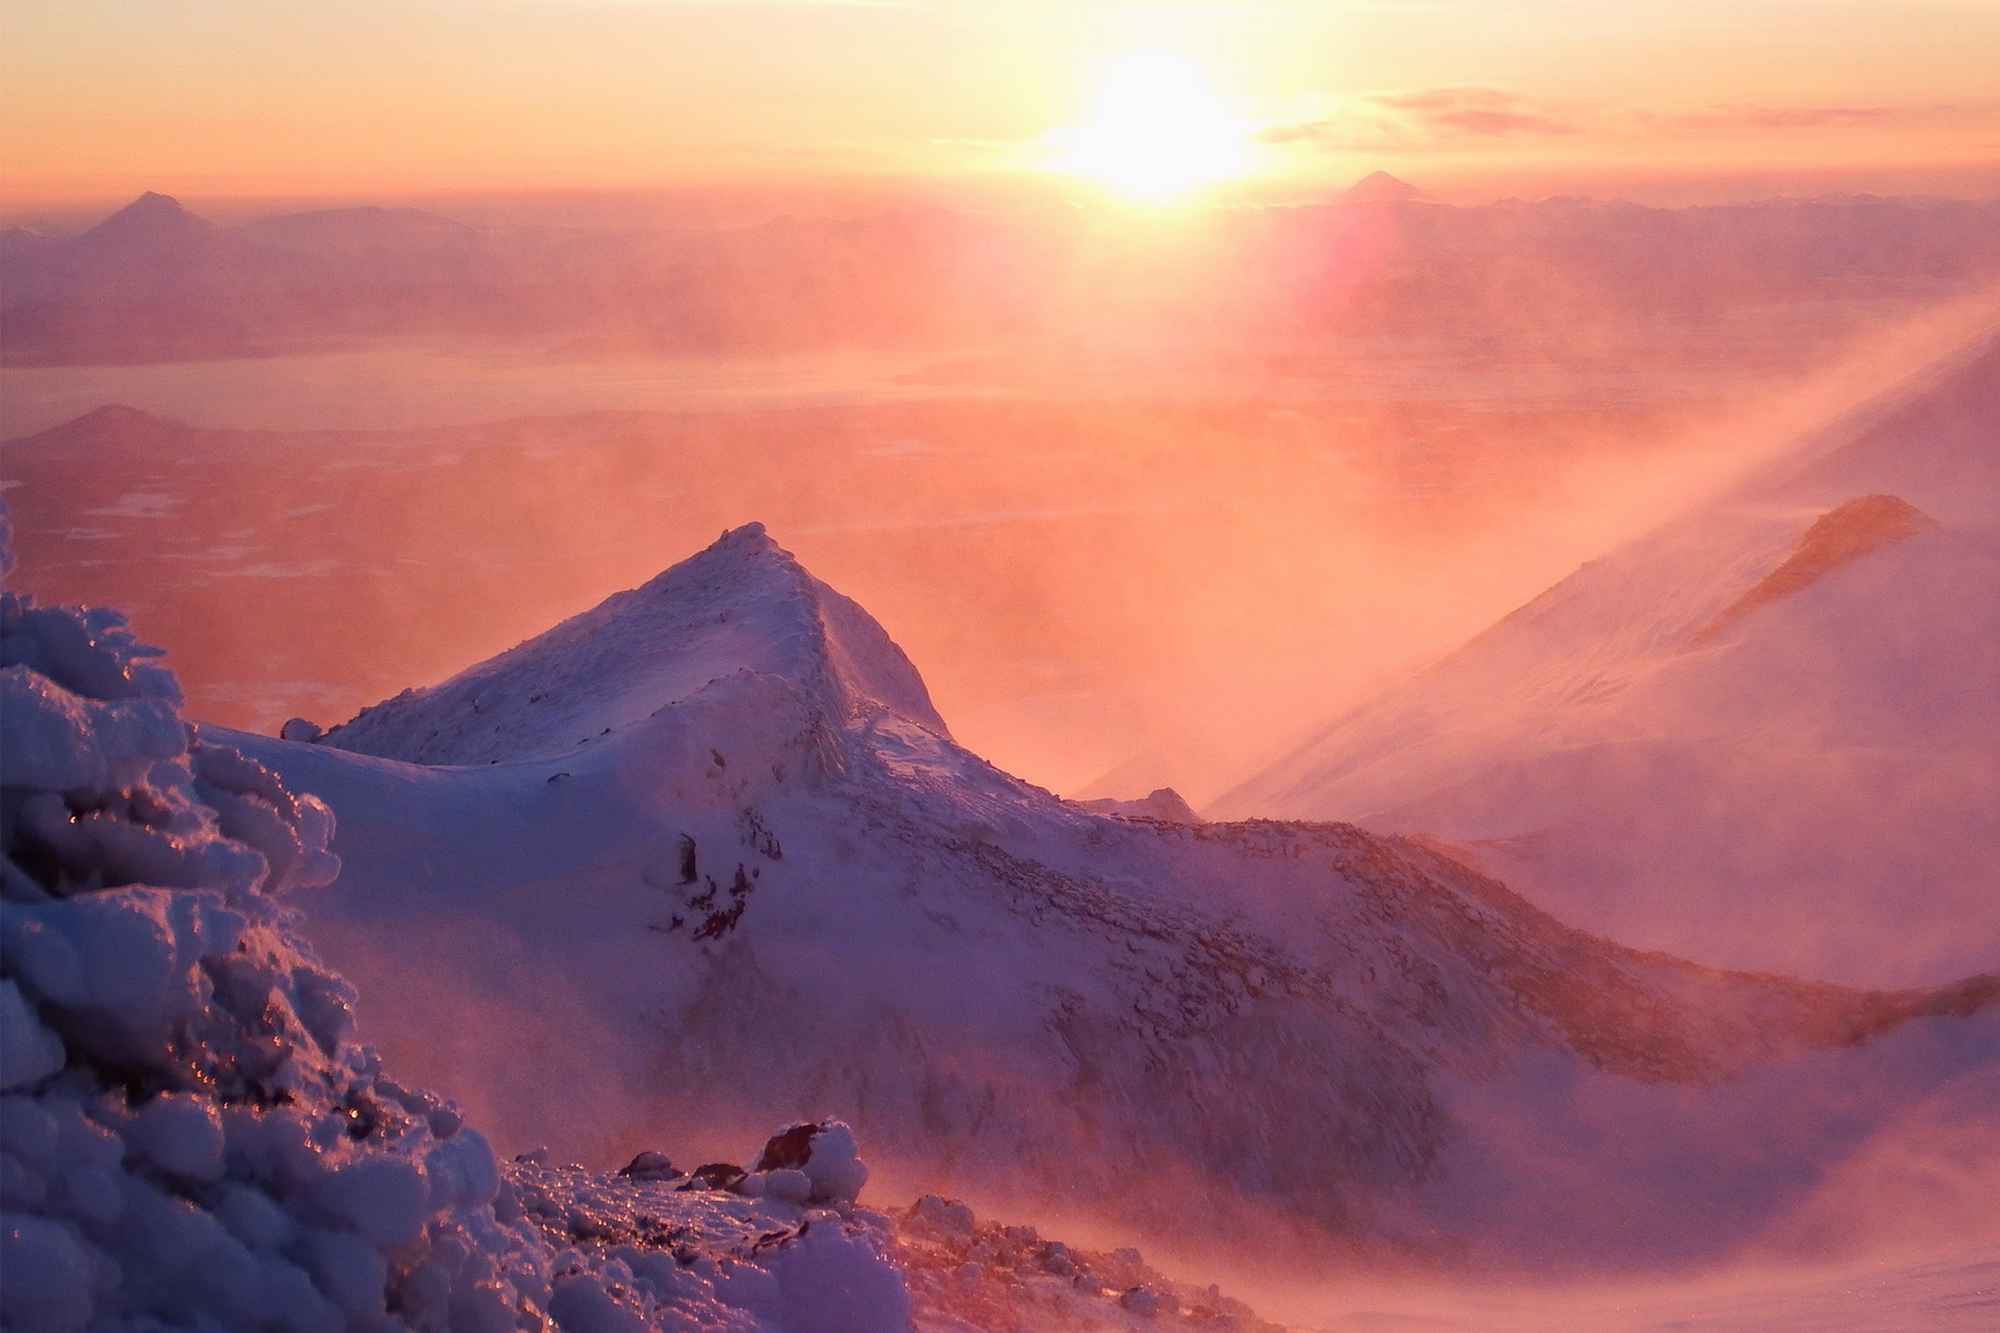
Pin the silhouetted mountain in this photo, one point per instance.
(151, 220)
(1379, 187)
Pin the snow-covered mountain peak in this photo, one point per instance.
(742, 608)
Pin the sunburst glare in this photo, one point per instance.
(1156, 131)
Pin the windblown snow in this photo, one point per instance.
(1762, 736)
(690, 894)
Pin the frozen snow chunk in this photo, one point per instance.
(942, 1214)
(26, 1128)
(181, 1135)
(49, 742)
(325, 1004)
(60, 741)
(93, 1193)
(786, 1186)
(444, 1121)
(463, 1172)
(22, 1186)
(649, 1166)
(252, 807)
(76, 654)
(582, 1305)
(47, 1275)
(381, 1198)
(825, 1152)
(29, 1052)
(134, 968)
(317, 865)
(293, 1303)
(351, 1273)
(44, 959)
(300, 730)
(837, 1280)
(254, 1217)
(483, 1307)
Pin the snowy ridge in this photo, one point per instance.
(691, 920)
(1762, 735)
(190, 1137)
(743, 606)
(1838, 537)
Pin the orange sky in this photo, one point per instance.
(104, 98)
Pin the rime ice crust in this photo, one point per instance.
(190, 1136)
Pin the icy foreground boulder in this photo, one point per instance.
(189, 1135)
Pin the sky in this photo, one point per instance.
(299, 98)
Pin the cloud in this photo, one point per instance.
(1417, 118)
(1349, 131)
(1462, 116)
(1477, 112)
(1737, 117)
(1729, 117)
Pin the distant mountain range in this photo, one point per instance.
(708, 851)
(155, 282)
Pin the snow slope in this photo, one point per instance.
(702, 855)
(1762, 736)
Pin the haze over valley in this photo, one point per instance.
(1266, 668)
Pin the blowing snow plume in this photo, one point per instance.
(703, 853)
(1194, 475)
(1762, 736)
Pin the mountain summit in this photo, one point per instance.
(742, 608)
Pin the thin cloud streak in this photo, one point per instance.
(1455, 117)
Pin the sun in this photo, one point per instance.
(1156, 131)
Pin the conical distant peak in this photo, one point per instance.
(1379, 187)
(117, 416)
(153, 215)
